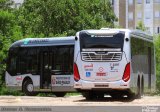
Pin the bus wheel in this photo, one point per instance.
(88, 95)
(142, 87)
(28, 88)
(100, 95)
(130, 95)
(116, 95)
(139, 94)
(60, 94)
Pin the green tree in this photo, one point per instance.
(53, 17)
(9, 31)
(141, 26)
(5, 4)
(6, 21)
(157, 47)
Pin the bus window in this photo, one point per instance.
(63, 60)
(91, 41)
(12, 66)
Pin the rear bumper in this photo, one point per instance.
(88, 85)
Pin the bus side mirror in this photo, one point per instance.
(76, 38)
(127, 39)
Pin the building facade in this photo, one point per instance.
(131, 12)
(17, 3)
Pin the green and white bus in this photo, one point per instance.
(41, 65)
(117, 62)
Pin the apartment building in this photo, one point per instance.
(131, 12)
(17, 3)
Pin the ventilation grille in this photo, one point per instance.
(109, 56)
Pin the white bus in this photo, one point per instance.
(117, 62)
(41, 65)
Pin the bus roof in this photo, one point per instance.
(112, 31)
(142, 34)
(33, 42)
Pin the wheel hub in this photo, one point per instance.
(30, 87)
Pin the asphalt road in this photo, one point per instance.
(79, 104)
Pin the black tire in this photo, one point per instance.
(88, 95)
(116, 95)
(100, 96)
(60, 94)
(28, 88)
(130, 95)
(139, 94)
(142, 87)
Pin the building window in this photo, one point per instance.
(139, 15)
(112, 2)
(17, 5)
(147, 15)
(157, 1)
(130, 2)
(147, 1)
(148, 29)
(158, 29)
(139, 1)
(130, 16)
(131, 28)
(155, 30)
(157, 14)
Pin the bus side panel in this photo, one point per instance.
(128, 52)
(142, 62)
(17, 81)
(153, 68)
(11, 82)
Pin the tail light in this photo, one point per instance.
(126, 74)
(76, 72)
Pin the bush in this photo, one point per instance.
(157, 48)
(6, 91)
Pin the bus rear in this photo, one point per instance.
(101, 61)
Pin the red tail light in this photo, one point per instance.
(76, 72)
(126, 74)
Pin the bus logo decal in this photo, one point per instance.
(19, 78)
(101, 74)
(88, 74)
(100, 69)
(88, 66)
(114, 67)
(26, 41)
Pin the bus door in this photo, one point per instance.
(45, 78)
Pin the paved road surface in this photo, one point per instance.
(79, 104)
(75, 101)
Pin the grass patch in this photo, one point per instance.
(156, 93)
(73, 94)
(46, 94)
(52, 94)
(6, 91)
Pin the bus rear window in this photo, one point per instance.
(101, 42)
